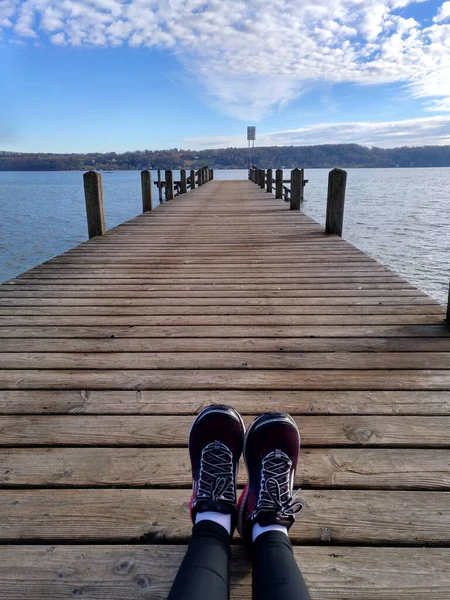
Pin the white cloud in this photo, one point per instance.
(443, 13)
(419, 132)
(442, 105)
(254, 56)
(7, 10)
(59, 39)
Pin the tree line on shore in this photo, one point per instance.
(320, 156)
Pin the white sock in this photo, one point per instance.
(219, 518)
(259, 529)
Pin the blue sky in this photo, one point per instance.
(99, 75)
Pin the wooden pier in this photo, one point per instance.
(224, 295)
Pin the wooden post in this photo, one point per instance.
(95, 212)
(296, 187)
(183, 182)
(205, 175)
(279, 184)
(146, 186)
(302, 188)
(337, 180)
(192, 177)
(199, 177)
(169, 185)
(211, 174)
(269, 180)
(262, 178)
(160, 187)
(448, 309)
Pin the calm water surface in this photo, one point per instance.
(399, 216)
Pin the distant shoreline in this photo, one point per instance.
(350, 156)
(111, 171)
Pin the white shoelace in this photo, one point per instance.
(216, 481)
(276, 485)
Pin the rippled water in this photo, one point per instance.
(399, 216)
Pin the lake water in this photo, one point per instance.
(399, 216)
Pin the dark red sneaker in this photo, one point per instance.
(215, 447)
(271, 448)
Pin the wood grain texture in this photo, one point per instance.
(143, 430)
(378, 309)
(247, 402)
(226, 379)
(217, 320)
(44, 301)
(338, 516)
(196, 331)
(132, 572)
(226, 360)
(346, 468)
(376, 348)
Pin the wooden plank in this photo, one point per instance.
(165, 430)
(255, 270)
(289, 281)
(172, 257)
(238, 289)
(161, 271)
(352, 292)
(350, 301)
(228, 331)
(349, 468)
(185, 402)
(280, 360)
(227, 379)
(338, 516)
(188, 266)
(217, 320)
(193, 260)
(243, 345)
(257, 273)
(128, 572)
(377, 309)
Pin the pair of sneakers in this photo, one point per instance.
(270, 446)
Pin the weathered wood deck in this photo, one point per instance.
(222, 295)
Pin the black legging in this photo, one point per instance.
(204, 572)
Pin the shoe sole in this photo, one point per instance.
(259, 422)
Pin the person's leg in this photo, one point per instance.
(215, 446)
(267, 510)
(204, 570)
(276, 575)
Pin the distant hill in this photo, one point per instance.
(323, 156)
